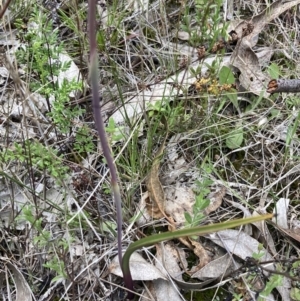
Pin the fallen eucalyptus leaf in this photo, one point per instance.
(23, 291)
(161, 290)
(238, 243)
(140, 268)
(216, 268)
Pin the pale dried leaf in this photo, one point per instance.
(264, 56)
(238, 243)
(4, 72)
(7, 212)
(293, 233)
(161, 290)
(245, 59)
(155, 204)
(134, 108)
(265, 235)
(175, 170)
(168, 258)
(295, 226)
(139, 267)
(143, 216)
(216, 268)
(179, 199)
(243, 245)
(281, 209)
(201, 253)
(183, 35)
(23, 291)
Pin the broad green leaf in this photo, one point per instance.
(188, 217)
(235, 138)
(274, 281)
(295, 293)
(233, 98)
(226, 76)
(109, 227)
(202, 203)
(274, 71)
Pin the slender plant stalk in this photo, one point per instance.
(99, 121)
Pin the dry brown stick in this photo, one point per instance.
(284, 85)
(5, 6)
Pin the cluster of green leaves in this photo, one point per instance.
(37, 155)
(61, 113)
(164, 108)
(114, 131)
(43, 239)
(201, 201)
(208, 16)
(43, 236)
(84, 141)
(295, 291)
(40, 56)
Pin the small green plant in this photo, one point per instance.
(35, 154)
(201, 202)
(58, 266)
(273, 281)
(208, 16)
(164, 108)
(42, 237)
(260, 254)
(61, 113)
(295, 291)
(274, 71)
(114, 131)
(40, 56)
(84, 141)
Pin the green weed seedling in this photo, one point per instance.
(84, 141)
(208, 17)
(114, 130)
(295, 291)
(40, 157)
(40, 56)
(201, 202)
(42, 237)
(58, 266)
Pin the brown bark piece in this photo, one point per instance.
(156, 203)
(201, 253)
